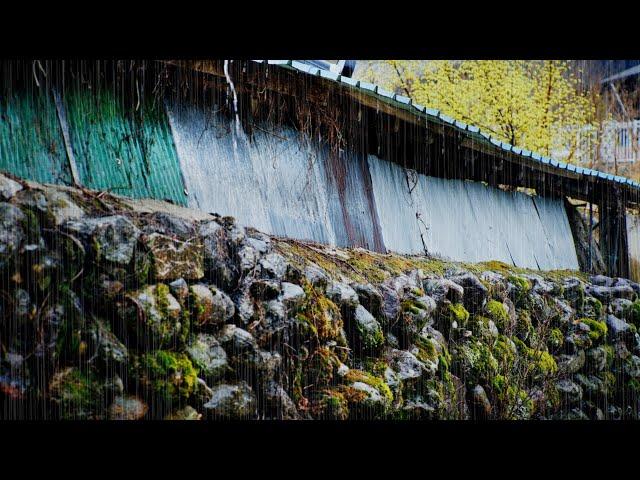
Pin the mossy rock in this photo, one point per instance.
(497, 312)
(540, 363)
(474, 362)
(155, 319)
(555, 340)
(366, 394)
(452, 316)
(369, 333)
(318, 315)
(505, 352)
(524, 325)
(483, 328)
(521, 289)
(168, 375)
(632, 313)
(77, 394)
(427, 349)
(592, 308)
(332, 404)
(598, 330)
(208, 357)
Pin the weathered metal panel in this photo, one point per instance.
(274, 181)
(489, 232)
(469, 221)
(31, 144)
(555, 221)
(396, 207)
(118, 148)
(448, 217)
(633, 238)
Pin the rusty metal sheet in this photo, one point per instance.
(274, 181)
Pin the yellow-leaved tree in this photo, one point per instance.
(537, 105)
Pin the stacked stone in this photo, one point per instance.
(112, 313)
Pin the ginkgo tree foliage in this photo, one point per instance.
(535, 105)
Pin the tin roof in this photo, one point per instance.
(430, 114)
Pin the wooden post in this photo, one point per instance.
(64, 126)
(613, 234)
(589, 258)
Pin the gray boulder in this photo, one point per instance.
(235, 340)
(370, 298)
(210, 305)
(571, 363)
(441, 289)
(607, 294)
(8, 187)
(481, 406)
(173, 258)
(475, 293)
(367, 328)
(11, 233)
(569, 391)
(596, 359)
(208, 357)
(274, 266)
(292, 295)
(317, 276)
(343, 295)
(618, 329)
(231, 402)
(277, 404)
(632, 366)
(127, 408)
(406, 366)
(218, 257)
(113, 238)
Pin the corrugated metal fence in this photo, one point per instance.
(277, 181)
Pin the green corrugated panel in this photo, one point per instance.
(123, 151)
(31, 143)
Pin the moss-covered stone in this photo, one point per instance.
(210, 306)
(368, 333)
(332, 404)
(505, 353)
(632, 313)
(76, 393)
(497, 312)
(474, 362)
(456, 316)
(319, 315)
(208, 357)
(592, 308)
(524, 325)
(174, 258)
(540, 363)
(365, 392)
(598, 330)
(169, 375)
(522, 287)
(154, 318)
(555, 340)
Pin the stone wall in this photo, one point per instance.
(119, 309)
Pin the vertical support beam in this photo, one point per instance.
(590, 257)
(613, 233)
(64, 126)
